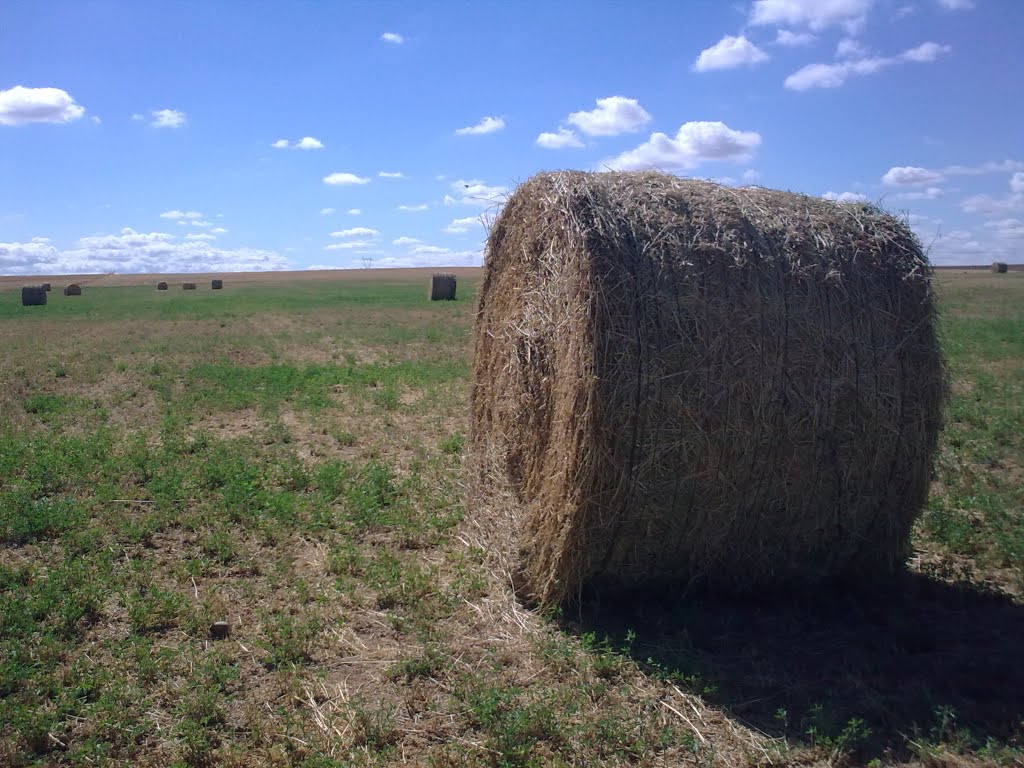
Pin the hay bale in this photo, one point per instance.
(46, 286)
(216, 284)
(33, 296)
(677, 382)
(161, 286)
(999, 267)
(73, 290)
(188, 286)
(442, 287)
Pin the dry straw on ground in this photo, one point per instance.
(33, 295)
(999, 267)
(188, 286)
(442, 287)
(161, 286)
(216, 284)
(678, 382)
(73, 290)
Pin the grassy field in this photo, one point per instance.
(287, 458)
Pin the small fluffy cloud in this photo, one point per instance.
(1017, 183)
(413, 208)
(354, 211)
(306, 142)
(845, 197)
(989, 205)
(200, 236)
(928, 193)
(168, 118)
(349, 245)
(612, 115)
(406, 241)
(391, 174)
(20, 105)
(790, 39)
(816, 14)
(326, 211)
(695, 143)
(344, 179)
(461, 226)
(486, 125)
(848, 48)
(393, 37)
(729, 53)
(475, 192)
(175, 215)
(834, 75)
(356, 232)
(561, 139)
(219, 231)
(957, 5)
(910, 175)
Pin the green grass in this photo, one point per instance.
(287, 458)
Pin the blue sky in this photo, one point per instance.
(209, 136)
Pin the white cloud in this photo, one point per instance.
(96, 119)
(907, 175)
(413, 208)
(486, 125)
(175, 215)
(1017, 182)
(138, 118)
(957, 5)
(344, 179)
(461, 226)
(391, 174)
(845, 197)
(816, 14)
(168, 118)
(406, 241)
(792, 39)
(434, 249)
(392, 37)
(134, 252)
(20, 105)
(989, 205)
(834, 75)
(201, 223)
(349, 245)
(200, 236)
(929, 193)
(848, 48)
(326, 211)
(40, 239)
(695, 143)
(356, 232)
(475, 192)
(306, 142)
(354, 211)
(219, 231)
(612, 116)
(1003, 166)
(750, 175)
(563, 138)
(729, 53)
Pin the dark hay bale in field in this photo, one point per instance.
(73, 290)
(46, 286)
(680, 383)
(161, 286)
(999, 267)
(216, 284)
(33, 295)
(188, 286)
(442, 287)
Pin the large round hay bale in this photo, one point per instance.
(188, 286)
(74, 289)
(680, 383)
(999, 267)
(161, 286)
(442, 287)
(46, 286)
(216, 284)
(33, 295)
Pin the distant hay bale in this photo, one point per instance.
(999, 267)
(681, 383)
(33, 295)
(216, 284)
(73, 290)
(161, 286)
(442, 287)
(46, 286)
(188, 286)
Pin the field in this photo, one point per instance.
(286, 456)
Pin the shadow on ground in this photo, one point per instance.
(917, 659)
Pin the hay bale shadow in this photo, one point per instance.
(920, 657)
